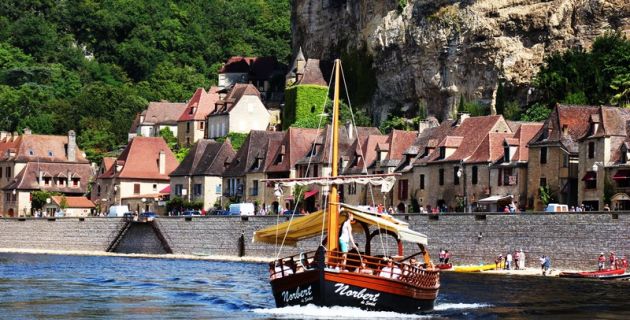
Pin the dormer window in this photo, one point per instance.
(256, 164)
(279, 158)
(313, 151)
(506, 153)
(50, 153)
(442, 152)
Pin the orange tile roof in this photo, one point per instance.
(233, 97)
(140, 160)
(164, 112)
(74, 202)
(36, 147)
(203, 103)
(295, 145)
(474, 130)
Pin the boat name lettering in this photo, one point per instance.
(305, 294)
(369, 299)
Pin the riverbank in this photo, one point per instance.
(247, 259)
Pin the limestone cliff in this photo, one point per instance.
(432, 51)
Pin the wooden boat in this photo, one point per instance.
(321, 278)
(444, 266)
(479, 268)
(593, 274)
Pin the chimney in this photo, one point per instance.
(350, 129)
(162, 162)
(72, 146)
(15, 135)
(27, 131)
(424, 125)
(41, 177)
(4, 135)
(461, 117)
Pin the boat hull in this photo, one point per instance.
(593, 274)
(485, 267)
(348, 289)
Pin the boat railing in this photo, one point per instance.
(417, 275)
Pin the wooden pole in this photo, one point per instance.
(333, 199)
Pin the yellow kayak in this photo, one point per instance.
(479, 268)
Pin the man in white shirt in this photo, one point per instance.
(346, 241)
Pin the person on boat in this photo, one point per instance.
(390, 270)
(612, 259)
(280, 270)
(601, 261)
(441, 256)
(363, 268)
(447, 256)
(346, 241)
(380, 208)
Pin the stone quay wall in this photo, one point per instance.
(572, 240)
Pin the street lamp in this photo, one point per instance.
(462, 173)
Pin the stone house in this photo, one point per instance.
(454, 188)
(243, 176)
(414, 168)
(137, 177)
(602, 158)
(362, 155)
(316, 161)
(241, 111)
(157, 116)
(199, 176)
(294, 145)
(508, 173)
(389, 156)
(264, 73)
(32, 162)
(71, 206)
(191, 125)
(554, 155)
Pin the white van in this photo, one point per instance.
(557, 207)
(243, 209)
(117, 211)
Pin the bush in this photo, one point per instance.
(303, 105)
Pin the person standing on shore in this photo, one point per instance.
(521, 260)
(545, 264)
(517, 259)
(508, 261)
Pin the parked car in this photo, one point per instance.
(219, 212)
(243, 209)
(128, 216)
(117, 211)
(191, 213)
(147, 216)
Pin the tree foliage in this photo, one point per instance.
(92, 65)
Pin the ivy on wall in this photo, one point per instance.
(303, 105)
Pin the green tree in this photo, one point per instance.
(537, 112)
(38, 198)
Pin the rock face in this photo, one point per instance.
(431, 52)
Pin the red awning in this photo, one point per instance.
(589, 176)
(310, 193)
(166, 190)
(621, 175)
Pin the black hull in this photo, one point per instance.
(330, 288)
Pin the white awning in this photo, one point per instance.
(495, 199)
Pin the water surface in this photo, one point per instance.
(63, 287)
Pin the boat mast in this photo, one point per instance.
(333, 200)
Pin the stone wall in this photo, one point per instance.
(572, 240)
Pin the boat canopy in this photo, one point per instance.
(311, 225)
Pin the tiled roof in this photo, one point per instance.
(366, 147)
(576, 121)
(27, 179)
(200, 104)
(35, 147)
(312, 74)
(206, 158)
(164, 112)
(524, 134)
(429, 140)
(108, 162)
(73, 202)
(258, 68)
(490, 149)
(322, 143)
(296, 143)
(255, 147)
(139, 160)
(474, 130)
(397, 142)
(233, 97)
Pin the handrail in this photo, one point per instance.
(415, 275)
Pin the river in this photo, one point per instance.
(78, 287)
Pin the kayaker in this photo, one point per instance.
(601, 261)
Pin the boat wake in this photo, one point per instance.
(314, 312)
(459, 306)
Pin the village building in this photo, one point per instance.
(157, 116)
(243, 177)
(191, 125)
(199, 177)
(317, 163)
(508, 172)
(603, 169)
(294, 145)
(457, 189)
(32, 162)
(363, 154)
(554, 154)
(241, 111)
(264, 73)
(389, 156)
(137, 177)
(68, 206)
